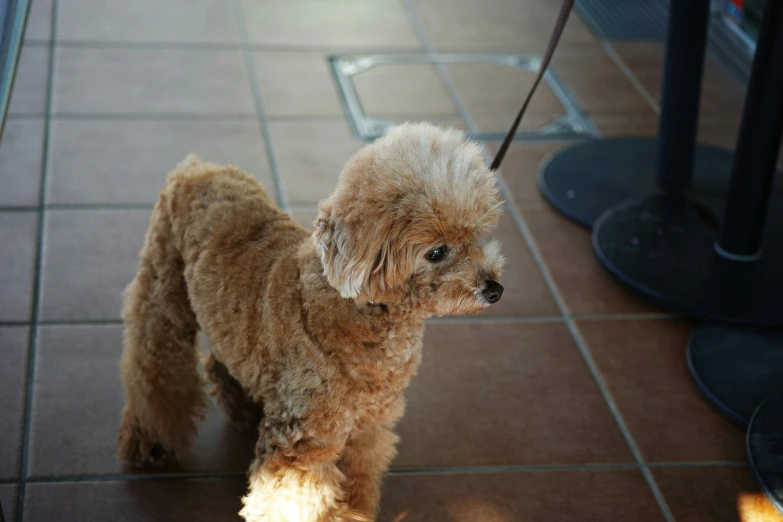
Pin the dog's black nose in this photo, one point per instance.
(493, 291)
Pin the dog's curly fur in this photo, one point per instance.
(314, 336)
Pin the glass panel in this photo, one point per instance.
(13, 16)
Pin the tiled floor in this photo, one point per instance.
(569, 401)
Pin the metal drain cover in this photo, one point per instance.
(571, 125)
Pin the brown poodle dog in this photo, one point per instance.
(315, 336)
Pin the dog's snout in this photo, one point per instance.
(493, 292)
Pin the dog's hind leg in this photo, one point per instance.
(241, 409)
(165, 395)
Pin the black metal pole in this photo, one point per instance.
(686, 43)
(761, 130)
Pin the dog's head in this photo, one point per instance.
(410, 219)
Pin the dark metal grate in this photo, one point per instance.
(625, 19)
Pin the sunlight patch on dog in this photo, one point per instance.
(291, 495)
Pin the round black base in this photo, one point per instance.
(765, 448)
(584, 180)
(736, 369)
(664, 249)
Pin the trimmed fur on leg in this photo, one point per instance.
(241, 409)
(164, 392)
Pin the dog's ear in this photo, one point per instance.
(361, 257)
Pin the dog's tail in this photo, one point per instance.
(165, 395)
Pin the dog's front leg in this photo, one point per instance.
(366, 458)
(295, 478)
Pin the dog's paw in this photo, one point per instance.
(293, 515)
(255, 511)
(140, 450)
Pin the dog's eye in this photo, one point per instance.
(436, 254)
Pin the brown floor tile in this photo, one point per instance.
(20, 162)
(717, 132)
(505, 393)
(148, 20)
(39, 20)
(643, 365)
(78, 399)
(526, 292)
(150, 501)
(13, 367)
(521, 166)
(550, 496)
(90, 256)
(641, 55)
(722, 95)
(17, 259)
(297, 84)
(125, 161)
(336, 24)
(413, 89)
(8, 501)
(493, 89)
(167, 81)
(622, 126)
(568, 253)
(30, 84)
(311, 156)
(497, 25)
(599, 85)
(721, 133)
(714, 494)
(445, 120)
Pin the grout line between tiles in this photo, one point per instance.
(629, 74)
(305, 118)
(541, 319)
(401, 471)
(584, 351)
(34, 313)
(539, 261)
(421, 34)
(255, 87)
(131, 45)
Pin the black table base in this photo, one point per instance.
(664, 249)
(698, 230)
(736, 369)
(584, 180)
(765, 448)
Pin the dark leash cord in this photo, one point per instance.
(557, 32)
